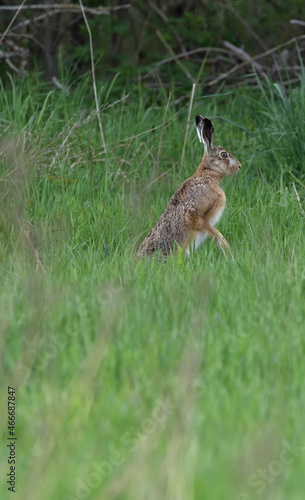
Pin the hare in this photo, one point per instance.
(198, 203)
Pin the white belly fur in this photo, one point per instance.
(216, 217)
(201, 236)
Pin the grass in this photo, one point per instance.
(142, 380)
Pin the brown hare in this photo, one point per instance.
(197, 205)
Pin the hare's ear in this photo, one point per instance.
(205, 131)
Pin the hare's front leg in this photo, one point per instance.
(212, 232)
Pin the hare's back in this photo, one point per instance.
(168, 231)
(194, 194)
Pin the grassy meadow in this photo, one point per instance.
(144, 380)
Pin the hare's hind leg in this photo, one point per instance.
(196, 238)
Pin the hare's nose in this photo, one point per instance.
(239, 166)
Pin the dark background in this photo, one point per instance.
(135, 40)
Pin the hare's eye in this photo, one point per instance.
(223, 154)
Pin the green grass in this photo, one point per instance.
(176, 381)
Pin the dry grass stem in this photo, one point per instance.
(187, 125)
(93, 77)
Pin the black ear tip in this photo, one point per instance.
(208, 123)
(198, 119)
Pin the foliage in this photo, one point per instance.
(133, 41)
(281, 127)
(139, 379)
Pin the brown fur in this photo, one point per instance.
(196, 203)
